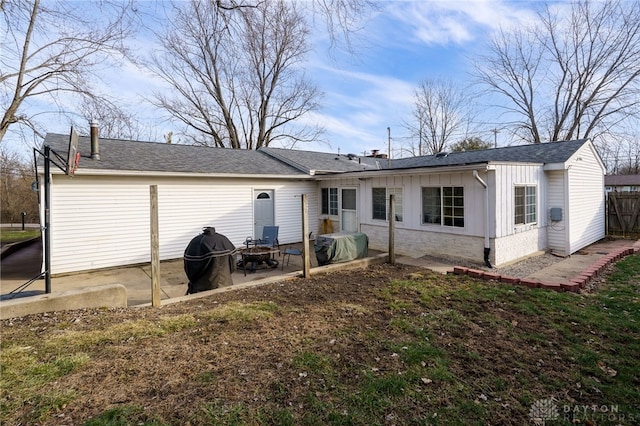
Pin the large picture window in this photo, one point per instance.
(380, 197)
(330, 201)
(525, 204)
(443, 206)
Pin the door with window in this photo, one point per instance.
(263, 210)
(348, 210)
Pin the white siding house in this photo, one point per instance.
(108, 223)
(492, 205)
(513, 220)
(100, 217)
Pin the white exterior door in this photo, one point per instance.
(263, 210)
(348, 210)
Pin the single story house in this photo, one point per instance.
(498, 205)
(622, 183)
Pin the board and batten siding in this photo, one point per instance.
(413, 238)
(101, 222)
(511, 241)
(557, 231)
(412, 201)
(586, 199)
(507, 177)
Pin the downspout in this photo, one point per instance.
(487, 245)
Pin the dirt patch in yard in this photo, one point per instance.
(308, 350)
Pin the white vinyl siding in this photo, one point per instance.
(557, 230)
(415, 238)
(507, 177)
(586, 199)
(104, 222)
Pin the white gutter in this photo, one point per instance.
(400, 172)
(487, 244)
(157, 174)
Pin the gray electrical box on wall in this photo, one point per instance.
(555, 214)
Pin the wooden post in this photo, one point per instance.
(392, 225)
(155, 248)
(306, 260)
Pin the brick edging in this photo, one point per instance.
(574, 284)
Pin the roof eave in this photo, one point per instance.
(133, 173)
(555, 166)
(408, 171)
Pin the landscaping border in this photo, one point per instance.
(574, 284)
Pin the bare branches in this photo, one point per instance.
(569, 76)
(343, 19)
(236, 79)
(441, 113)
(52, 48)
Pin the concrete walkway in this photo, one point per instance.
(25, 263)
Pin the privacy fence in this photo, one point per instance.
(623, 214)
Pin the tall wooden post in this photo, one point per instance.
(392, 225)
(155, 247)
(306, 260)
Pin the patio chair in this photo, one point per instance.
(292, 251)
(269, 237)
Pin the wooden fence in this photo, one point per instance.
(623, 214)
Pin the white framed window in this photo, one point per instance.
(329, 201)
(525, 205)
(443, 206)
(380, 197)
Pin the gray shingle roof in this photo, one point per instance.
(323, 162)
(622, 180)
(544, 153)
(121, 155)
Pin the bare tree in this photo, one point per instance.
(50, 49)
(573, 74)
(441, 113)
(235, 75)
(342, 18)
(16, 195)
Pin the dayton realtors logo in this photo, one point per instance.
(544, 410)
(547, 410)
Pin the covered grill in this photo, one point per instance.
(209, 261)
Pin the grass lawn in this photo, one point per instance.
(13, 235)
(389, 345)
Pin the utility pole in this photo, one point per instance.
(495, 137)
(420, 138)
(389, 148)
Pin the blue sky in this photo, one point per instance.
(403, 43)
(406, 42)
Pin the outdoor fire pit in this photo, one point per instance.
(254, 256)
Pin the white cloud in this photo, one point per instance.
(457, 22)
(359, 108)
